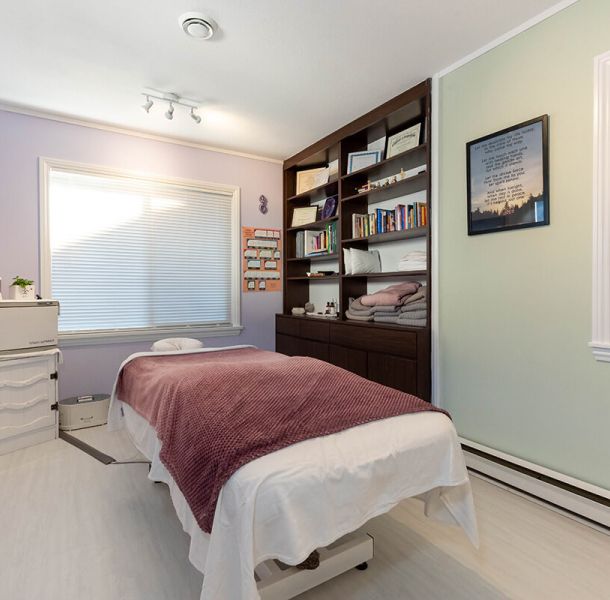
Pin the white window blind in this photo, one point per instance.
(130, 253)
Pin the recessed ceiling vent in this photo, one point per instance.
(196, 25)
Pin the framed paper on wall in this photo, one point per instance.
(508, 178)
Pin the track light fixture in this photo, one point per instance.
(148, 104)
(172, 100)
(195, 116)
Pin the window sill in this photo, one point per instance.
(99, 338)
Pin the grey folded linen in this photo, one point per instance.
(416, 314)
(421, 305)
(356, 305)
(377, 319)
(385, 309)
(387, 313)
(412, 322)
(354, 317)
(420, 294)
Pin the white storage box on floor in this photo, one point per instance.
(83, 411)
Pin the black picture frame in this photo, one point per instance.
(533, 212)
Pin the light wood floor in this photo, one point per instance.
(74, 529)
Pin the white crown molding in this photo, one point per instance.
(549, 12)
(61, 118)
(600, 344)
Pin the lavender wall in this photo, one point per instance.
(24, 139)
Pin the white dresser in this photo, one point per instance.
(28, 399)
(28, 374)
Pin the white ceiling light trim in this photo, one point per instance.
(196, 25)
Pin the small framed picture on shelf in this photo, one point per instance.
(404, 140)
(311, 178)
(304, 215)
(362, 160)
(330, 207)
(508, 178)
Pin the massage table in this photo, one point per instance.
(273, 511)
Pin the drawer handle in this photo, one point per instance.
(22, 405)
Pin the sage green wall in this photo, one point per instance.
(515, 307)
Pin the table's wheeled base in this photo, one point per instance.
(277, 581)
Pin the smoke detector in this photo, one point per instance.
(196, 25)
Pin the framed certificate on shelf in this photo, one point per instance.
(404, 140)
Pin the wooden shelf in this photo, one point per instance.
(417, 183)
(317, 258)
(390, 236)
(305, 278)
(325, 188)
(393, 326)
(321, 224)
(394, 355)
(387, 275)
(421, 149)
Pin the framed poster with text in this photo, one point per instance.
(261, 254)
(508, 178)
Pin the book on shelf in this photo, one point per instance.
(314, 242)
(385, 220)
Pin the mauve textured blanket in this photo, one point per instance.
(216, 411)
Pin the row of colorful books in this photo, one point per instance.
(383, 220)
(313, 242)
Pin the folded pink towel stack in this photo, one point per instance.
(392, 295)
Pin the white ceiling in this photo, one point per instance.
(280, 74)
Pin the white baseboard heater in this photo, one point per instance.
(577, 498)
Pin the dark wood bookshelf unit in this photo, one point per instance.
(394, 355)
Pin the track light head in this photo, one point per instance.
(195, 116)
(148, 104)
(170, 112)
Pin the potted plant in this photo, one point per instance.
(22, 289)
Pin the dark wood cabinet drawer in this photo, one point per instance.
(400, 343)
(286, 344)
(314, 330)
(286, 325)
(314, 349)
(393, 371)
(346, 358)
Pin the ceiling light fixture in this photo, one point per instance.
(148, 104)
(172, 100)
(196, 25)
(195, 117)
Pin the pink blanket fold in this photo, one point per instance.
(214, 412)
(391, 295)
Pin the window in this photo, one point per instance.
(134, 256)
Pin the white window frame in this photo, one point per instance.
(151, 333)
(600, 339)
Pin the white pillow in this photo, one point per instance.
(173, 344)
(365, 261)
(347, 260)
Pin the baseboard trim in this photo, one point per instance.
(566, 493)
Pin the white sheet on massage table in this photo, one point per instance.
(286, 504)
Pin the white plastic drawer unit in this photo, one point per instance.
(28, 325)
(28, 400)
